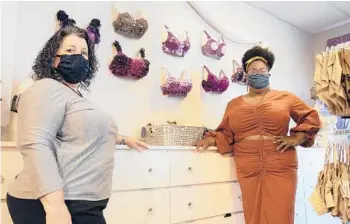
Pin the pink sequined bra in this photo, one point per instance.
(174, 46)
(177, 86)
(238, 75)
(124, 66)
(213, 83)
(214, 48)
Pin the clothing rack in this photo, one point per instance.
(341, 132)
(338, 40)
(330, 84)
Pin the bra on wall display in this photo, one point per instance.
(124, 66)
(173, 46)
(213, 83)
(174, 86)
(238, 76)
(128, 26)
(213, 48)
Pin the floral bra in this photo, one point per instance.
(238, 76)
(213, 83)
(174, 46)
(214, 48)
(177, 86)
(122, 65)
(128, 26)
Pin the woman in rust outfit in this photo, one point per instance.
(254, 128)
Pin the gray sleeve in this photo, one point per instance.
(41, 112)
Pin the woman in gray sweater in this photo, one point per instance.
(67, 143)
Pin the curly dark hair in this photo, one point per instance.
(258, 51)
(42, 67)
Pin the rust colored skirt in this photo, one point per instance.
(268, 181)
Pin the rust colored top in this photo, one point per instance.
(270, 117)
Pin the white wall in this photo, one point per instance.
(320, 40)
(136, 103)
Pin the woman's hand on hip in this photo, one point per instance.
(58, 215)
(136, 144)
(285, 142)
(205, 143)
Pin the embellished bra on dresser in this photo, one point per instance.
(213, 83)
(214, 48)
(173, 46)
(124, 66)
(238, 76)
(177, 86)
(128, 26)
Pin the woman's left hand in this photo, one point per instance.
(288, 141)
(136, 144)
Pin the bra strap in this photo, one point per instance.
(185, 75)
(222, 74)
(207, 34)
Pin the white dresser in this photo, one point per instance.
(159, 186)
(177, 185)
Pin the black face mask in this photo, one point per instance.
(74, 68)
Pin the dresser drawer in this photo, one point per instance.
(11, 166)
(223, 219)
(5, 216)
(138, 207)
(136, 170)
(194, 168)
(202, 201)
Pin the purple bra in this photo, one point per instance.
(214, 48)
(177, 87)
(174, 46)
(213, 83)
(238, 76)
(122, 65)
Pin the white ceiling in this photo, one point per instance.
(311, 16)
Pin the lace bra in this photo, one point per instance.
(122, 65)
(213, 83)
(238, 76)
(214, 48)
(128, 26)
(174, 46)
(177, 87)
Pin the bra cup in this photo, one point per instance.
(222, 49)
(214, 45)
(223, 84)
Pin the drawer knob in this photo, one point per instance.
(150, 210)
(190, 205)
(150, 170)
(240, 197)
(2, 179)
(189, 168)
